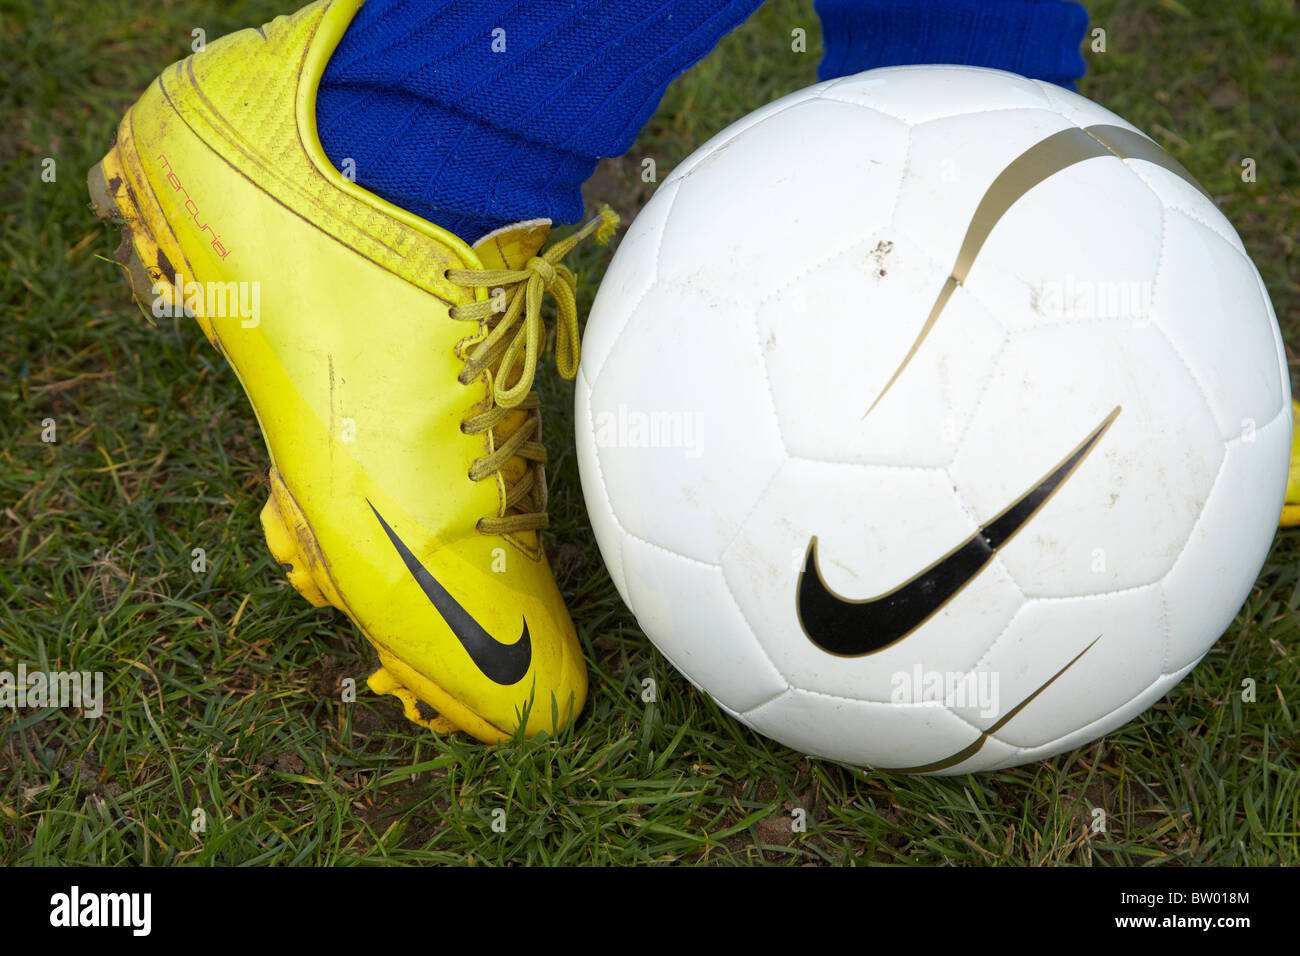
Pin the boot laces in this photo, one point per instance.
(509, 353)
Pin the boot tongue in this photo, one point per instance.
(510, 247)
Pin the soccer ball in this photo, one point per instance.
(933, 419)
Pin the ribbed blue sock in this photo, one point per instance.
(1035, 38)
(478, 113)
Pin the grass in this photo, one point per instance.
(223, 686)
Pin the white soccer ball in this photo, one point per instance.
(933, 419)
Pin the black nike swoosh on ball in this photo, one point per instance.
(852, 628)
(500, 663)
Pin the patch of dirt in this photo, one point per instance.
(283, 762)
(409, 800)
(617, 182)
(569, 562)
(330, 673)
(776, 830)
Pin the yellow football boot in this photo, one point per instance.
(1291, 509)
(389, 364)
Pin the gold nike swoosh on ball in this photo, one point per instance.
(978, 744)
(1037, 164)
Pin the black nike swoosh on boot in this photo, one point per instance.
(500, 663)
(851, 628)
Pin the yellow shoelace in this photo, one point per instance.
(516, 338)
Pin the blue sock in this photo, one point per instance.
(441, 121)
(478, 113)
(1035, 38)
